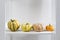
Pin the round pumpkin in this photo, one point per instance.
(37, 27)
(49, 27)
(13, 25)
(26, 27)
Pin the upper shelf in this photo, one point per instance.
(31, 32)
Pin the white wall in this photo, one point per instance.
(2, 19)
(33, 11)
(58, 19)
(28, 37)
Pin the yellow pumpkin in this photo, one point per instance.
(13, 25)
(26, 27)
(49, 27)
(37, 27)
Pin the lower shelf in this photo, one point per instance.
(31, 32)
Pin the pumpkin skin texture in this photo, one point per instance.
(49, 27)
(13, 25)
(26, 27)
(37, 27)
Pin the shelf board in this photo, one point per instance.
(31, 32)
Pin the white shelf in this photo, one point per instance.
(31, 32)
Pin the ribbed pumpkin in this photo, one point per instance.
(37, 27)
(50, 27)
(13, 25)
(26, 27)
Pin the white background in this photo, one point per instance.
(2, 26)
(33, 11)
(2, 19)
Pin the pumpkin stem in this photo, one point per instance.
(27, 23)
(12, 20)
(49, 24)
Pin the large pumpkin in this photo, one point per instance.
(37, 27)
(50, 27)
(13, 25)
(26, 27)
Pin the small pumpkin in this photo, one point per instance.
(13, 25)
(37, 27)
(50, 27)
(26, 27)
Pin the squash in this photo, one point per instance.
(37, 27)
(50, 27)
(26, 27)
(13, 25)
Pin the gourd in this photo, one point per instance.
(26, 27)
(37, 27)
(50, 27)
(13, 25)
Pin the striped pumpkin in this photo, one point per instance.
(13, 25)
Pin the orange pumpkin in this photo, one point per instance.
(49, 27)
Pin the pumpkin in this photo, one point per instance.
(37, 27)
(26, 27)
(49, 27)
(13, 25)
